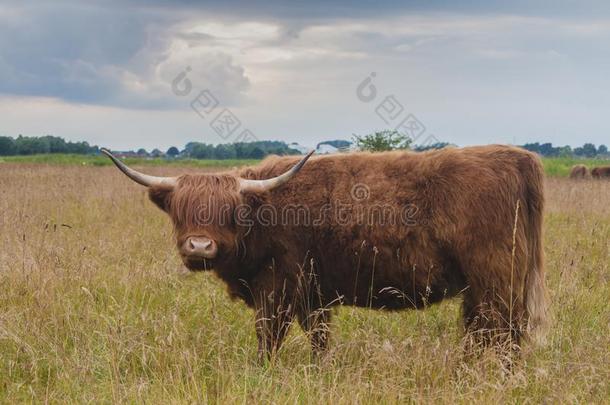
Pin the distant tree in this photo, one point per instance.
(590, 149)
(7, 146)
(238, 150)
(188, 148)
(565, 151)
(547, 149)
(156, 153)
(26, 145)
(29, 145)
(172, 152)
(142, 152)
(587, 150)
(532, 147)
(224, 152)
(197, 150)
(257, 153)
(382, 140)
(602, 150)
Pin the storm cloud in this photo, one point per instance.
(473, 71)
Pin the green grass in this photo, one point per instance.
(560, 167)
(93, 310)
(555, 167)
(100, 160)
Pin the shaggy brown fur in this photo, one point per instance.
(579, 172)
(601, 172)
(473, 226)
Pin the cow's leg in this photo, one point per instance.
(493, 315)
(480, 320)
(273, 313)
(315, 324)
(272, 324)
(493, 307)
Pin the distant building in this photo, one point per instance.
(326, 149)
(302, 149)
(334, 146)
(126, 154)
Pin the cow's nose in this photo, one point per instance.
(200, 247)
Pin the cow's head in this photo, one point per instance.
(202, 208)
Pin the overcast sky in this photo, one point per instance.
(479, 72)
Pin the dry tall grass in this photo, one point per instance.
(93, 308)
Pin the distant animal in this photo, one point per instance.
(579, 172)
(387, 231)
(601, 172)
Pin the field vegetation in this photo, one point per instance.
(101, 160)
(95, 306)
(560, 167)
(556, 167)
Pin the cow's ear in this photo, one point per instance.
(160, 196)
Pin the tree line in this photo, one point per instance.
(35, 145)
(238, 150)
(588, 150)
(377, 141)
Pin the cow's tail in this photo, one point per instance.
(535, 293)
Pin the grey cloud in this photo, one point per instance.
(126, 53)
(87, 53)
(322, 9)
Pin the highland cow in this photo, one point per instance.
(579, 172)
(601, 172)
(386, 231)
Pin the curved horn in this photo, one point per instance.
(269, 184)
(141, 178)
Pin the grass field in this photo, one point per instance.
(557, 167)
(101, 160)
(560, 167)
(95, 307)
